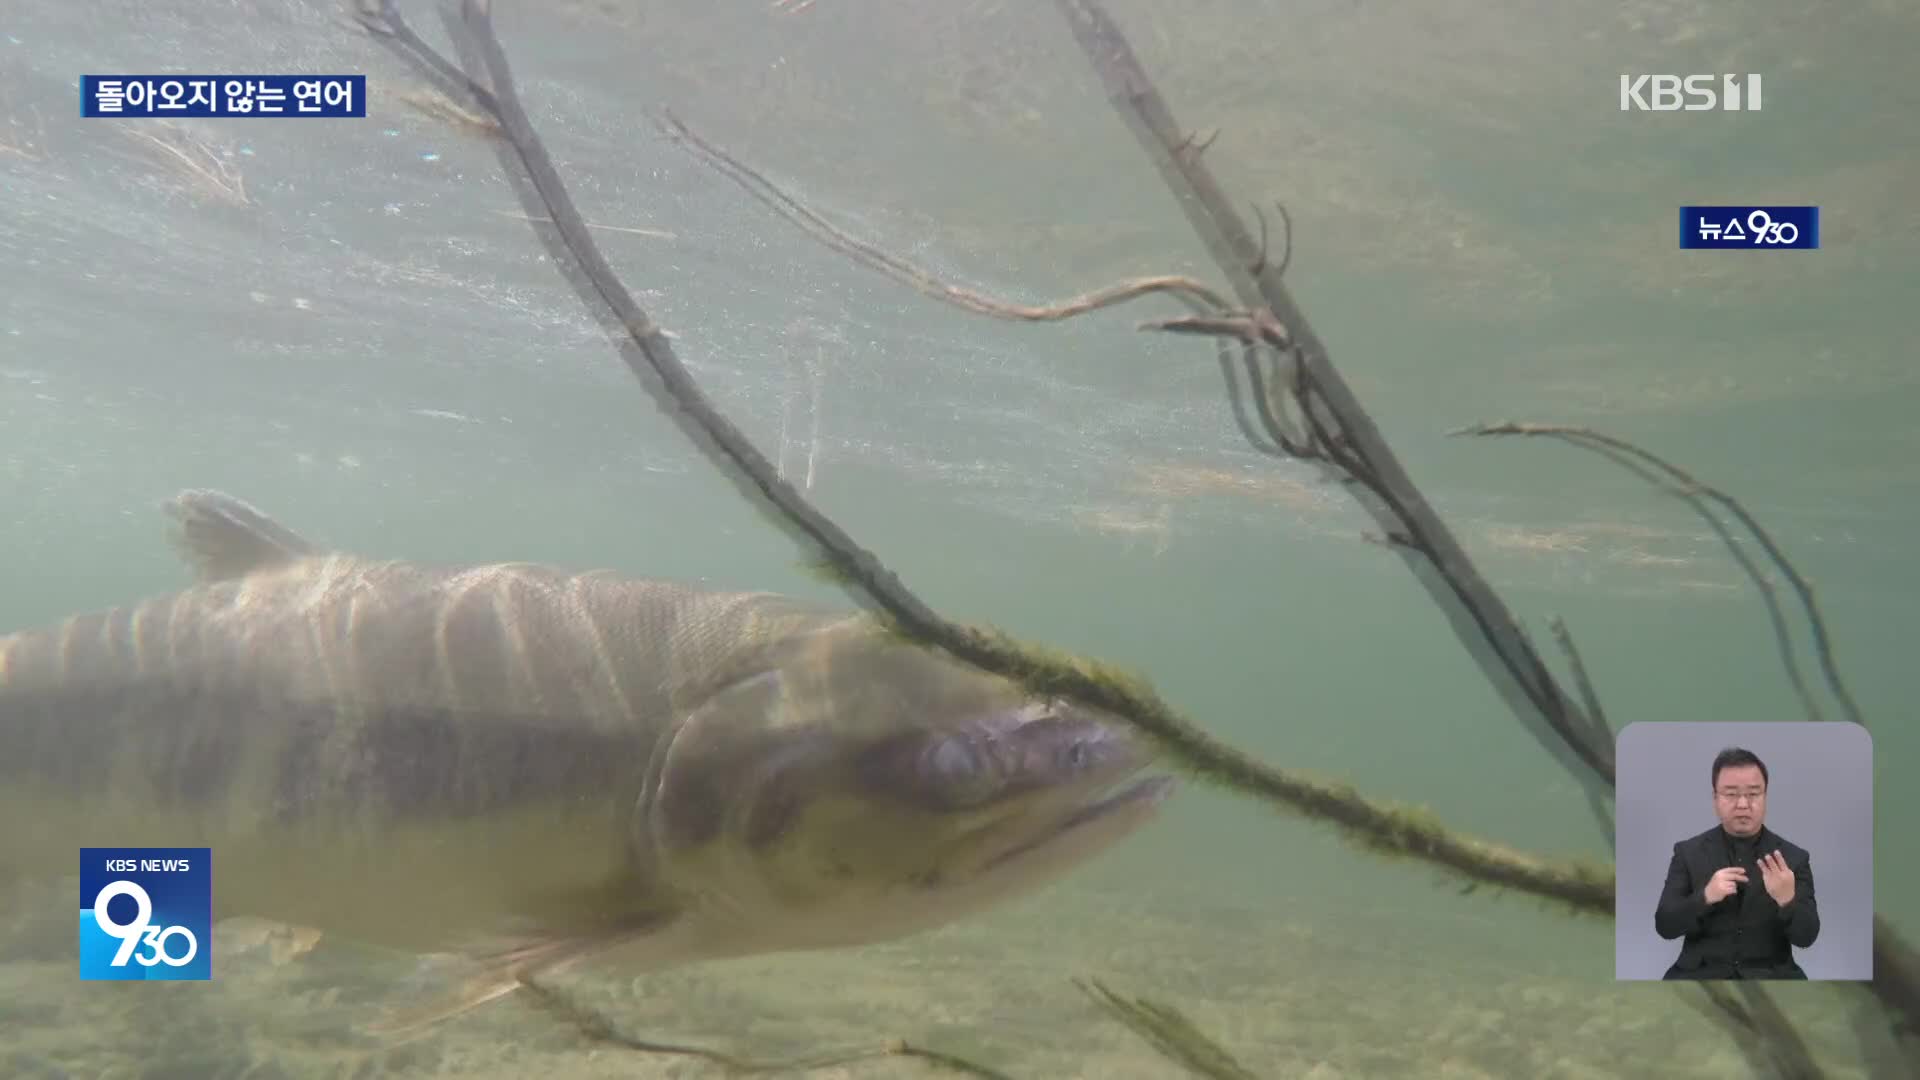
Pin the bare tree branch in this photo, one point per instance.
(1480, 619)
(1696, 494)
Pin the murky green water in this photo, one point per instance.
(343, 322)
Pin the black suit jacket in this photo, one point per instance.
(1746, 935)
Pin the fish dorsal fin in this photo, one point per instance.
(223, 537)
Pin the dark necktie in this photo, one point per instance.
(1742, 855)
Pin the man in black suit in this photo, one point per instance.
(1739, 893)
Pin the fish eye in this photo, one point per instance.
(960, 769)
(951, 757)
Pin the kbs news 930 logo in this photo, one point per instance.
(146, 913)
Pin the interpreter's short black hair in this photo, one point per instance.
(1734, 757)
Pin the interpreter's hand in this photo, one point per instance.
(1777, 877)
(1723, 883)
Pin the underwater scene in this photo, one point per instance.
(1092, 539)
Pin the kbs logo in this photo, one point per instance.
(146, 913)
(1692, 93)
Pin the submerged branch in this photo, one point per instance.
(876, 258)
(1210, 307)
(1373, 824)
(1260, 339)
(1169, 1032)
(1895, 985)
(1753, 1021)
(598, 1027)
(1697, 495)
(1480, 619)
(1602, 727)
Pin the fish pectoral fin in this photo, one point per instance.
(277, 943)
(223, 537)
(497, 969)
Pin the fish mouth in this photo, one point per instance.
(1150, 790)
(1120, 811)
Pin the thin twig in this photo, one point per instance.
(597, 1026)
(879, 259)
(1169, 1032)
(1237, 405)
(1286, 254)
(1261, 335)
(1693, 491)
(210, 174)
(1272, 405)
(1602, 728)
(659, 234)
(1211, 316)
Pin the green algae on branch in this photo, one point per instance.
(1379, 826)
(827, 571)
(1580, 885)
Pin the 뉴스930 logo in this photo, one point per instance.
(1692, 93)
(145, 913)
(1750, 228)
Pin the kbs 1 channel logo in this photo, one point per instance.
(1690, 93)
(146, 913)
